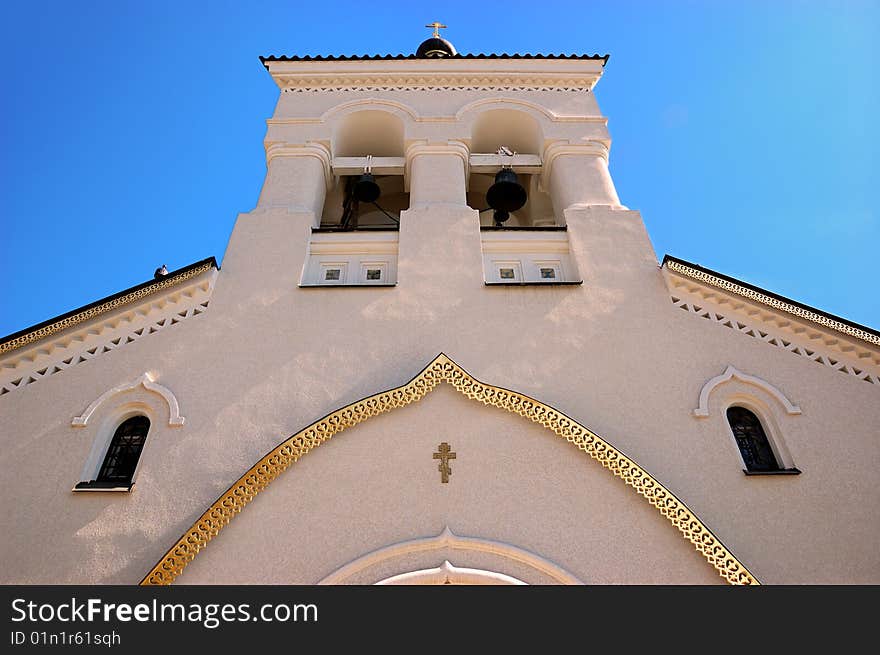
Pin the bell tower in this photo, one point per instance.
(438, 173)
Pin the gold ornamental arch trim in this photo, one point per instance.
(443, 369)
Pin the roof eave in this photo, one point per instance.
(757, 294)
(265, 60)
(62, 322)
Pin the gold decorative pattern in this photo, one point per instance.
(443, 369)
(92, 312)
(775, 303)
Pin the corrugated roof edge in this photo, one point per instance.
(270, 58)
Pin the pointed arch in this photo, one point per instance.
(146, 381)
(443, 370)
(731, 372)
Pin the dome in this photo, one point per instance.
(435, 47)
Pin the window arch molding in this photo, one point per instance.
(146, 381)
(771, 407)
(110, 410)
(732, 373)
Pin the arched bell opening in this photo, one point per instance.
(509, 127)
(367, 199)
(504, 185)
(340, 210)
(368, 132)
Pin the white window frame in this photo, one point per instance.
(515, 264)
(555, 264)
(326, 266)
(383, 272)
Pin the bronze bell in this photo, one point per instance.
(366, 189)
(506, 195)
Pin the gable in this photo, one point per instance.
(516, 467)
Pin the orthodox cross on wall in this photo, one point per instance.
(444, 454)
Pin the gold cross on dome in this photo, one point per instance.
(437, 27)
(444, 455)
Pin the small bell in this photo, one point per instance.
(506, 195)
(366, 189)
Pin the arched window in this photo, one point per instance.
(124, 452)
(121, 459)
(751, 440)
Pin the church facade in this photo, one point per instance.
(440, 350)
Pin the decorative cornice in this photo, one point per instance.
(380, 85)
(102, 307)
(702, 411)
(778, 304)
(443, 369)
(145, 381)
(436, 75)
(312, 149)
(859, 362)
(84, 344)
(448, 540)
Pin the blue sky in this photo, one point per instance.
(746, 133)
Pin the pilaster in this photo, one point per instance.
(577, 175)
(297, 177)
(437, 173)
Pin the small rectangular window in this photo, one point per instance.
(548, 271)
(507, 272)
(373, 272)
(332, 273)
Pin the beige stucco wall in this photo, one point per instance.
(512, 481)
(269, 357)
